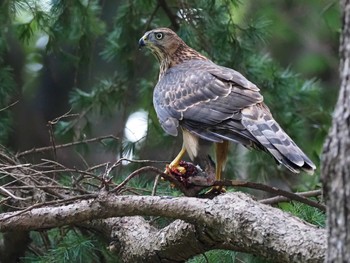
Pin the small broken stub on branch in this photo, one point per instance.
(192, 177)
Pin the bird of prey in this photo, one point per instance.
(213, 104)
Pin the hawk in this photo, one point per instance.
(213, 104)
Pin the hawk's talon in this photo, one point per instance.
(175, 169)
(216, 190)
(180, 169)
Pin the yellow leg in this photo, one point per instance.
(221, 150)
(176, 161)
(178, 158)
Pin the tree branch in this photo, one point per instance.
(231, 221)
(49, 148)
(279, 198)
(193, 184)
(168, 12)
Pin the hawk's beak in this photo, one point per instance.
(142, 41)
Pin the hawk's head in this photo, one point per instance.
(163, 42)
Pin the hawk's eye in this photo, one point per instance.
(159, 36)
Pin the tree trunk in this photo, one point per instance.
(336, 157)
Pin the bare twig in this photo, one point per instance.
(65, 115)
(272, 190)
(156, 181)
(49, 148)
(5, 156)
(141, 161)
(52, 140)
(4, 200)
(171, 16)
(9, 106)
(151, 17)
(10, 167)
(155, 170)
(278, 199)
(8, 193)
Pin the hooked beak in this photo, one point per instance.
(142, 42)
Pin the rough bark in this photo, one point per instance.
(231, 221)
(336, 157)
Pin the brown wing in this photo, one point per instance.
(201, 96)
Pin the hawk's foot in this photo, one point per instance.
(176, 169)
(183, 172)
(216, 190)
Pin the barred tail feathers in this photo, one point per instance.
(259, 122)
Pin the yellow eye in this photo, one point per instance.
(159, 35)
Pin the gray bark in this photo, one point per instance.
(336, 157)
(231, 221)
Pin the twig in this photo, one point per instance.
(272, 190)
(278, 199)
(8, 193)
(52, 140)
(10, 167)
(9, 106)
(155, 170)
(48, 148)
(151, 17)
(80, 116)
(154, 189)
(141, 161)
(82, 191)
(108, 170)
(5, 157)
(65, 115)
(168, 12)
(4, 200)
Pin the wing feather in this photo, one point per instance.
(260, 123)
(195, 91)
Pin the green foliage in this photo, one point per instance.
(224, 256)
(29, 17)
(72, 247)
(7, 84)
(307, 213)
(7, 89)
(219, 256)
(77, 22)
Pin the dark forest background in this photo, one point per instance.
(72, 71)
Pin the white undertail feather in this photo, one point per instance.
(190, 141)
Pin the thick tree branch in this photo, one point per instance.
(230, 221)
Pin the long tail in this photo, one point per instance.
(259, 122)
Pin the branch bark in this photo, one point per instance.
(231, 221)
